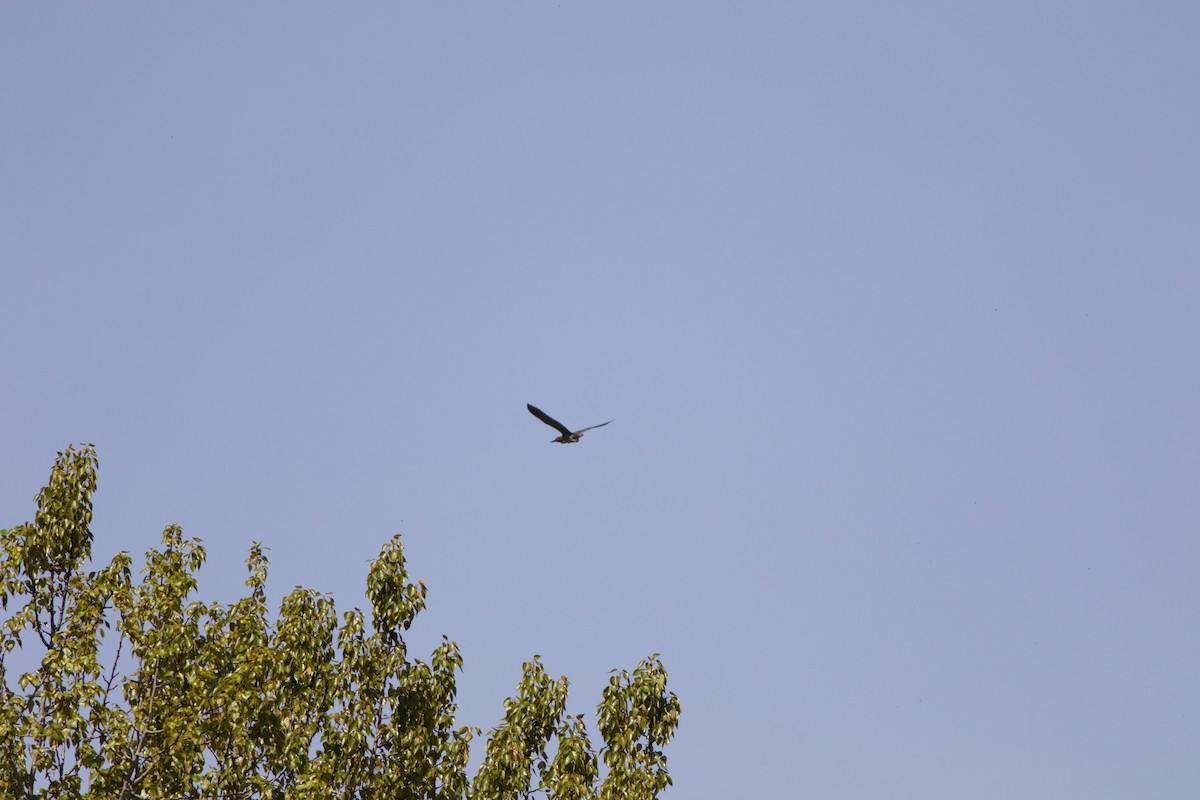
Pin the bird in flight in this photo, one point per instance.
(568, 437)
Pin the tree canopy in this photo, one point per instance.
(194, 699)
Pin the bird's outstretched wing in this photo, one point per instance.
(549, 420)
(601, 425)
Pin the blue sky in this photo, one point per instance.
(895, 306)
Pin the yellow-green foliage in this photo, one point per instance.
(205, 700)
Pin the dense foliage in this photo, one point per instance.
(189, 699)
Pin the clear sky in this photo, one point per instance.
(895, 306)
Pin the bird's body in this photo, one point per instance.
(568, 436)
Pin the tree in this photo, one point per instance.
(190, 699)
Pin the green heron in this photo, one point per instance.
(568, 437)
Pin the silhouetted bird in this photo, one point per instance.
(568, 437)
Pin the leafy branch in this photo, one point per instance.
(205, 700)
